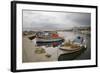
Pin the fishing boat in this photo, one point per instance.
(74, 45)
(48, 39)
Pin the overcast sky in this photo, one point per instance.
(46, 20)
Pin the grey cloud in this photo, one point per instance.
(54, 20)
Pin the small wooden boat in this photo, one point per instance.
(71, 47)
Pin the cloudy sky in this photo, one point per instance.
(46, 20)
